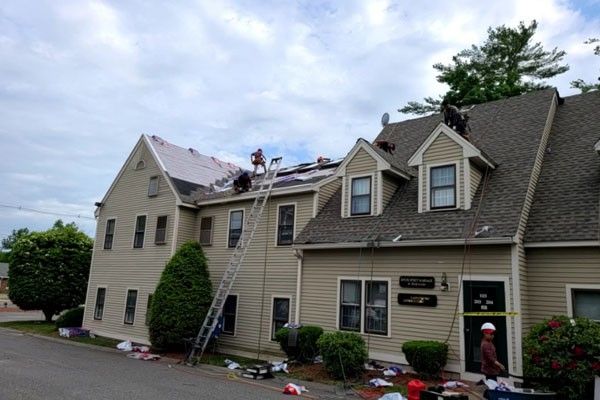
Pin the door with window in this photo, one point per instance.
(480, 297)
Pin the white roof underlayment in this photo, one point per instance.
(189, 165)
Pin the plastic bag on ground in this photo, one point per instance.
(293, 389)
(392, 396)
(277, 366)
(125, 346)
(378, 382)
(232, 364)
(144, 356)
(454, 385)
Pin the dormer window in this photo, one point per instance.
(360, 200)
(443, 186)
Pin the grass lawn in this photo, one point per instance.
(49, 329)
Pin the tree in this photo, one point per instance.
(506, 65)
(580, 83)
(9, 241)
(49, 270)
(181, 299)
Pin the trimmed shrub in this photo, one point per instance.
(306, 349)
(344, 353)
(427, 357)
(71, 319)
(181, 299)
(563, 355)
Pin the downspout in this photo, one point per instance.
(299, 254)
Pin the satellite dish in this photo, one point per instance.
(385, 119)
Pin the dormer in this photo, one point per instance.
(450, 170)
(370, 177)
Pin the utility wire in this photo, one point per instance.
(21, 208)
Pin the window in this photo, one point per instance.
(285, 225)
(161, 230)
(586, 303)
(360, 201)
(206, 226)
(443, 186)
(140, 165)
(153, 186)
(236, 219)
(374, 307)
(110, 234)
(130, 307)
(229, 314)
(350, 305)
(281, 314)
(140, 229)
(99, 309)
(148, 307)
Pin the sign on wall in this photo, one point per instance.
(422, 300)
(417, 282)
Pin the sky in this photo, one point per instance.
(81, 80)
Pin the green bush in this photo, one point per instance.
(344, 353)
(563, 355)
(71, 319)
(426, 356)
(306, 348)
(181, 299)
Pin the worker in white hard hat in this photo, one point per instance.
(490, 366)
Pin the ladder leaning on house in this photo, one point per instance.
(235, 262)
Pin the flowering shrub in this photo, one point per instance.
(563, 355)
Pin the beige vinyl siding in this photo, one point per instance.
(362, 162)
(189, 226)
(124, 267)
(476, 176)
(549, 270)
(443, 149)
(326, 191)
(322, 268)
(281, 269)
(389, 188)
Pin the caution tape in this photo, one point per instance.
(491, 314)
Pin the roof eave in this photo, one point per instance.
(407, 243)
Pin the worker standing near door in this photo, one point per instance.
(490, 366)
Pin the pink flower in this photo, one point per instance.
(596, 365)
(579, 352)
(555, 364)
(536, 359)
(554, 324)
(543, 338)
(572, 365)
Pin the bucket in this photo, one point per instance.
(415, 387)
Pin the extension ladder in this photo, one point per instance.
(235, 262)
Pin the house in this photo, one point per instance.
(3, 277)
(425, 243)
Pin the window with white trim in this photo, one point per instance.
(364, 306)
(236, 220)
(229, 314)
(130, 307)
(140, 231)
(442, 184)
(99, 307)
(153, 186)
(109, 234)
(360, 196)
(206, 228)
(281, 314)
(285, 225)
(586, 303)
(160, 236)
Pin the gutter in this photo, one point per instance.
(405, 243)
(566, 243)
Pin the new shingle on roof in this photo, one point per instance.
(509, 130)
(566, 202)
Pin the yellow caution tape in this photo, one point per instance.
(491, 314)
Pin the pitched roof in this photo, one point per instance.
(509, 130)
(566, 202)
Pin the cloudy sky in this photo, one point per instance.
(81, 80)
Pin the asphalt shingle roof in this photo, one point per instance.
(566, 202)
(508, 130)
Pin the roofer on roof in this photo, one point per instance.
(454, 119)
(243, 183)
(257, 158)
(386, 146)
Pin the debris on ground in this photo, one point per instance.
(392, 396)
(125, 346)
(232, 364)
(294, 389)
(277, 366)
(144, 356)
(73, 332)
(378, 382)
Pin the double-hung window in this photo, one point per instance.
(109, 234)
(206, 227)
(161, 230)
(285, 225)
(364, 306)
(130, 307)
(140, 230)
(281, 314)
(360, 196)
(586, 303)
(443, 186)
(99, 308)
(229, 314)
(236, 220)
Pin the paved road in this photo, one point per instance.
(21, 316)
(33, 368)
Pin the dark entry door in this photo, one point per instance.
(483, 296)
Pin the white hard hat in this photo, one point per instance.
(488, 325)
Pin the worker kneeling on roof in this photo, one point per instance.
(243, 183)
(454, 119)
